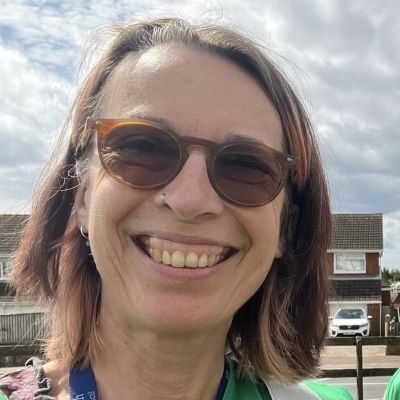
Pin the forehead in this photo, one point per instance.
(200, 93)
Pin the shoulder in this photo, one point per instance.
(393, 388)
(248, 386)
(244, 385)
(307, 390)
(26, 383)
(328, 392)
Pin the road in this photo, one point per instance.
(337, 357)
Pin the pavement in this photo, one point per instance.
(335, 357)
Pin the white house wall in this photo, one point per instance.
(11, 307)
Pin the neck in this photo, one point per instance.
(140, 364)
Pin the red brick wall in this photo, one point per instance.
(372, 264)
(374, 311)
(385, 297)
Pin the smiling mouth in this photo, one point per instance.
(179, 255)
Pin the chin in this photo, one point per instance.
(180, 315)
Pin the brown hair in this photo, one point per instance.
(280, 330)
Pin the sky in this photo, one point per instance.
(343, 57)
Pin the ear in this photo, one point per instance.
(288, 227)
(81, 205)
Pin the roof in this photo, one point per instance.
(357, 232)
(385, 283)
(11, 226)
(355, 290)
(394, 298)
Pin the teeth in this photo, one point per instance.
(192, 260)
(157, 255)
(203, 261)
(166, 257)
(211, 260)
(180, 260)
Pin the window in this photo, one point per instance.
(5, 266)
(350, 263)
(345, 313)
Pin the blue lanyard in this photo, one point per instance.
(223, 383)
(82, 384)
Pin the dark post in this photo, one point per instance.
(359, 368)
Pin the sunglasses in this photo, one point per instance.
(145, 155)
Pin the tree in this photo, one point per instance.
(395, 275)
(386, 274)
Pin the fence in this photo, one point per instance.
(394, 328)
(21, 328)
(359, 372)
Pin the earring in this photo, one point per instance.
(84, 235)
(163, 196)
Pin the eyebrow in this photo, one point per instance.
(168, 125)
(164, 123)
(231, 137)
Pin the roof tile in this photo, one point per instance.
(357, 232)
(11, 226)
(355, 289)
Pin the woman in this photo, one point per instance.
(188, 218)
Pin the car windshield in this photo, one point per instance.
(350, 314)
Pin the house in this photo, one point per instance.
(11, 226)
(354, 265)
(393, 308)
(386, 295)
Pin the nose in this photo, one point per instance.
(190, 195)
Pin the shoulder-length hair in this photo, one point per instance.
(279, 331)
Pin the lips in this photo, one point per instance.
(183, 255)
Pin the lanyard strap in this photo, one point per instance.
(223, 383)
(82, 384)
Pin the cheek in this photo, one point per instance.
(110, 203)
(264, 230)
(263, 255)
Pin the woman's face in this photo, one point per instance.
(201, 95)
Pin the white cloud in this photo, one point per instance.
(34, 100)
(391, 227)
(342, 56)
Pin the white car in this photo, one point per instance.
(350, 322)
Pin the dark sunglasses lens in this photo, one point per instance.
(248, 174)
(141, 155)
